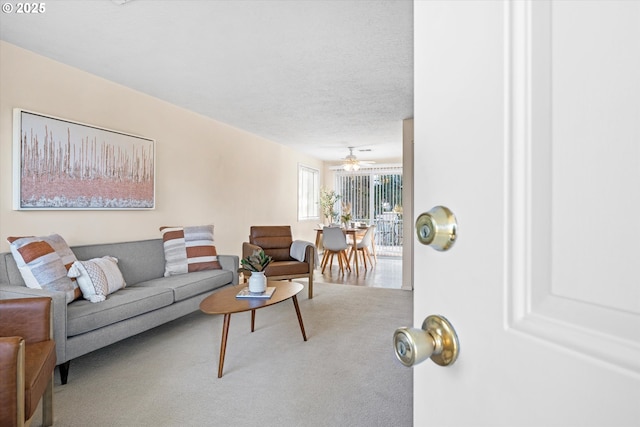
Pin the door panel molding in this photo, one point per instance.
(603, 333)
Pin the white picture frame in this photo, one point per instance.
(59, 164)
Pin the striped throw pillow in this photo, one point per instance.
(189, 249)
(43, 263)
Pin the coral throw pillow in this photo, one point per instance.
(43, 263)
(97, 277)
(189, 249)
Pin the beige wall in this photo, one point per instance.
(206, 171)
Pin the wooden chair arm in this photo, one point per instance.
(310, 256)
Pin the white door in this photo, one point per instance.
(527, 126)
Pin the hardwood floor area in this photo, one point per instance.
(386, 273)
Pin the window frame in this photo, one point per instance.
(308, 193)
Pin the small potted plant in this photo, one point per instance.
(256, 263)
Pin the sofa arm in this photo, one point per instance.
(59, 308)
(231, 263)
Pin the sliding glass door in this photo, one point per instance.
(375, 195)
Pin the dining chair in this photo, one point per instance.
(363, 245)
(335, 243)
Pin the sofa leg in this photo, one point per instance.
(64, 371)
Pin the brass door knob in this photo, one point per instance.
(437, 228)
(436, 340)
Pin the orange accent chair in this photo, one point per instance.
(27, 360)
(278, 243)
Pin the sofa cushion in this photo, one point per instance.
(138, 261)
(83, 316)
(43, 263)
(189, 249)
(97, 277)
(187, 285)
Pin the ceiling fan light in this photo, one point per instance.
(351, 162)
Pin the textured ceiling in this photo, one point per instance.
(317, 75)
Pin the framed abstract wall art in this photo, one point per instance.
(61, 164)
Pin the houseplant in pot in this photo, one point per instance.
(256, 264)
(328, 200)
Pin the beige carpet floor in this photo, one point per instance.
(346, 374)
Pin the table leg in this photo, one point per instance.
(373, 246)
(295, 303)
(253, 320)
(355, 253)
(223, 344)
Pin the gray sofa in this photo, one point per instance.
(148, 300)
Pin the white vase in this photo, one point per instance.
(257, 282)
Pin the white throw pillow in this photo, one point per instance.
(97, 277)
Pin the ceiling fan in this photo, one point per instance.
(351, 162)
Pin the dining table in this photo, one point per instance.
(355, 233)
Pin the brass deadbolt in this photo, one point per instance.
(437, 228)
